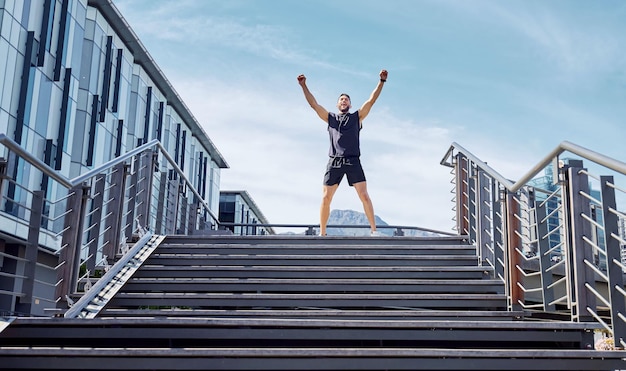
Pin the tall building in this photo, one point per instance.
(241, 215)
(78, 90)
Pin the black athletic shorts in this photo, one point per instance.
(339, 166)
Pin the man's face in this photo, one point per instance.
(343, 104)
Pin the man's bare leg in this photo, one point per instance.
(368, 207)
(327, 196)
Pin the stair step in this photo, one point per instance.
(289, 300)
(294, 240)
(307, 313)
(279, 271)
(285, 330)
(277, 343)
(307, 303)
(388, 249)
(237, 285)
(362, 358)
(313, 260)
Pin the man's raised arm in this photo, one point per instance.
(367, 106)
(321, 111)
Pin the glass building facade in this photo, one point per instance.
(237, 207)
(77, 89)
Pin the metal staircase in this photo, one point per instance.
(533, 271)
(306, 303)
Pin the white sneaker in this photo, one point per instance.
(376, 234)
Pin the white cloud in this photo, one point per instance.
(277, 150)
(277, 147)
(235, 84)
(190, 24)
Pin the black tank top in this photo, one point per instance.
(343, 130)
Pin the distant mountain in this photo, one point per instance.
(351, 217)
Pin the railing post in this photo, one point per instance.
(147, 161)
(184, 213)
(202, 222)
(529, 231)
(472, 205)
(31, 252)
(69, 258)
(398, 232)
(582, 274)
(462, 190)
(161, 204)
(97, 203)
(193, 217)
(499, 228)
(613, 259)
(172, 205)
(132, 197)
(483, 202)
(115, 209)
(516, 294)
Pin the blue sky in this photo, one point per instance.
(507, 80)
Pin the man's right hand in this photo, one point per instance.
(301, 79)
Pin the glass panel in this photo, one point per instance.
(78, 136)
(6, 83)
(15, 32)
(44, 100)
(6, 25)
(85, 68)
(14, 75)
(79, 38)
(24, 11)
(54, 112)
(96, 55)
(8, 124)
(30, 110)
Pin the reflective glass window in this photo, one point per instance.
(6, 83)
(15, 32)
(6, 25)
(44, 99)
(75, 47)
(13, 75)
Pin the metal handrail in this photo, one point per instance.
(583, 152)
(70, 183)
(346, 226)
(586, 234)
(42, 166)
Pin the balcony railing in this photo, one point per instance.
(89, 221)
(558, 245)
